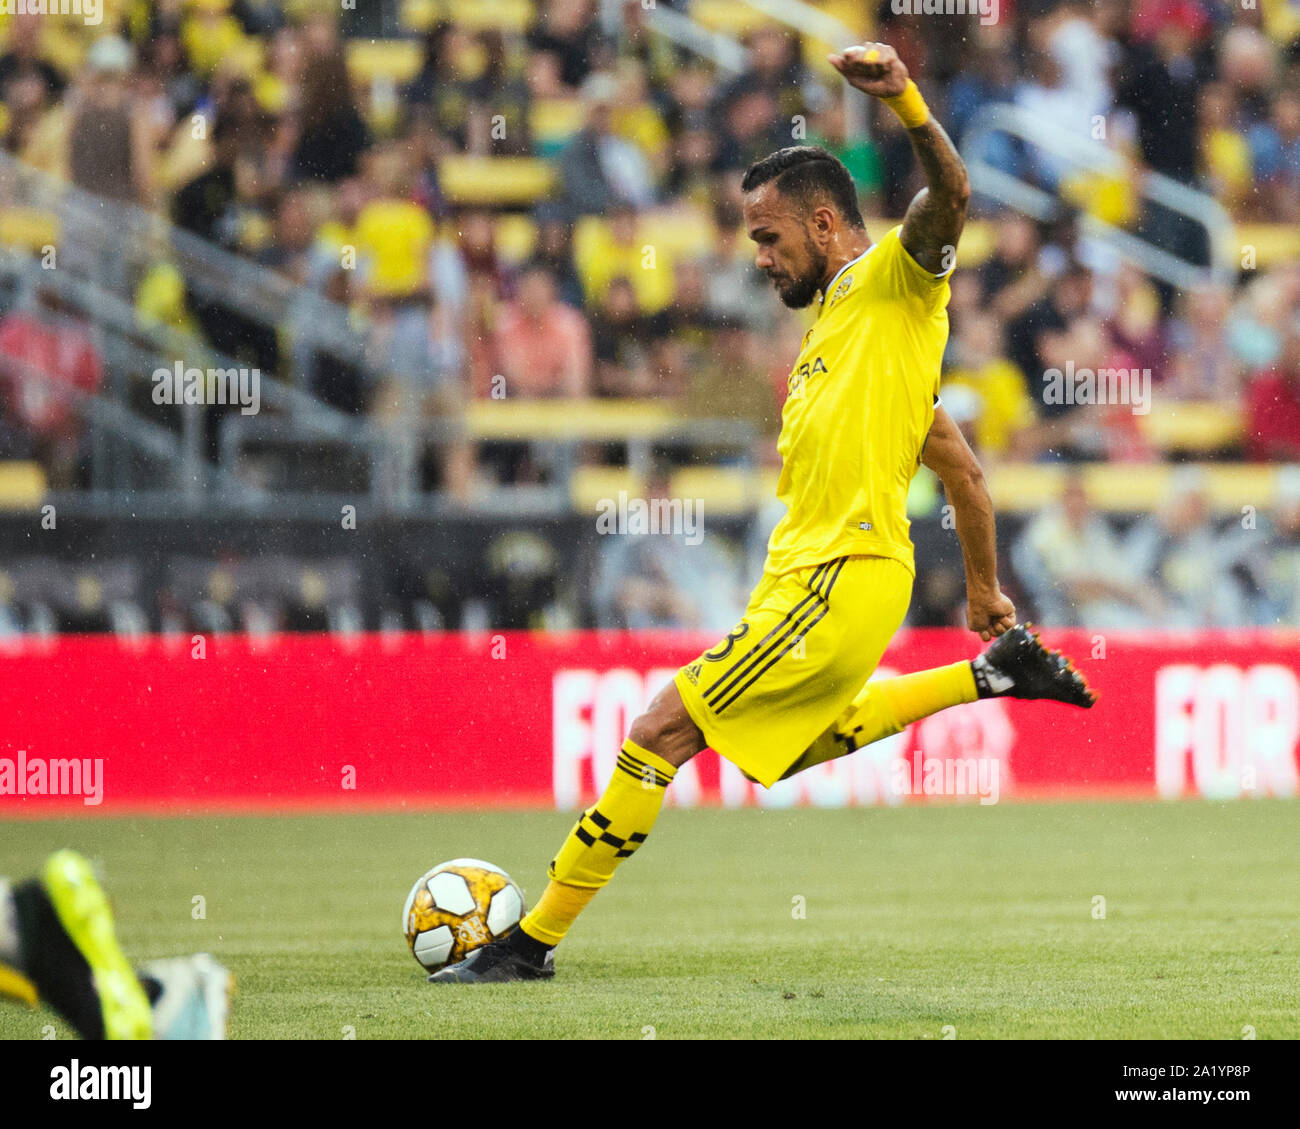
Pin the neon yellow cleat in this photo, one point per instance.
(17, 987)
(71, 954)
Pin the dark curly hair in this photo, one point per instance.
(811, 175)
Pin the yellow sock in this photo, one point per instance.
(605, 834)
(549, 920)
(888, 706)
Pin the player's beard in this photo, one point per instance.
(800, 292)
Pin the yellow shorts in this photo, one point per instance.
(809, 641)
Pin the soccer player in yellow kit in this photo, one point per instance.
(787, 688)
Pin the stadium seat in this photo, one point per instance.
(569, 419)
(1024, 487)
(1194, 426)
(28, 229)
(1273, 243)
(732, 17)
(498, 181)
(978, 242)
(22, 485)
(591, 485)
(394, 59)
(722, 490)
(850, 13)
(507, 15)
(1120, 488)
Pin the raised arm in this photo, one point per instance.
(936, 217)
(947, 453)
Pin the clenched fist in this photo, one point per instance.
(873, 68)
(990, 614)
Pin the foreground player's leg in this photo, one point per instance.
(63, 945)
(190, 997)
(606, 834)
(1015, 665)
(58, 945)
(12, 982)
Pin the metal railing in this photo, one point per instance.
(179, 476)
(808, 20)
(726, 52)
(112, 244)
(1084, 155)
(678, 28)
(101, 250)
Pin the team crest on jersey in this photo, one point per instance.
(841, 289)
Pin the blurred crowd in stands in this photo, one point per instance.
(243, 121)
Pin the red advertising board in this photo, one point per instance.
(97, 725)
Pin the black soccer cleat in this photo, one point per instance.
(497, 962)
(1017, 665)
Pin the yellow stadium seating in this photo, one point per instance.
(395, 59)
(495, 181)
(507, 15)
(1193, 426)
(686, 233)
(1027, 488)
(22, 485)
(734, 17)
(723, 490)
(1024, 489)
(569, 419)
(29, 229)
(1273, 243)
(978, 242)
(590, 485)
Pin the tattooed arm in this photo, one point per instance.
(936, 217)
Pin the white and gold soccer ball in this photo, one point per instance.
(457, 907)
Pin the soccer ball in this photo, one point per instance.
(458, 907)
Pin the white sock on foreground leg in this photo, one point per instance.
(10, 949)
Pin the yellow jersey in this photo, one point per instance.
(1005, 404)
(395, 237)
(861, 401)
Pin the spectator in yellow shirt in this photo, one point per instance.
(1225, 154)
(393, 240)
(210, 33)
(1006, 411)
(618, 250)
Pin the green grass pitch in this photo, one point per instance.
(983, 920)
